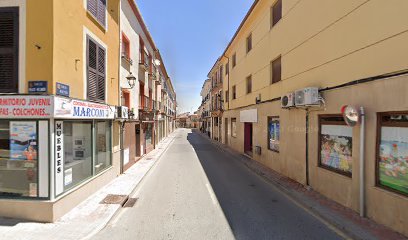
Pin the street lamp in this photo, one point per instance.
(131, 80)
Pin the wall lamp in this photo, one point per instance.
(131, 80)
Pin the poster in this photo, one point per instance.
(68, 177)
(393, 154)
(273, 134)
(23, 141)
(336, 147)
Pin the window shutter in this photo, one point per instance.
(8, 50)
(101, 11)
(93, 7)
(96, 71)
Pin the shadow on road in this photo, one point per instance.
(253, 208)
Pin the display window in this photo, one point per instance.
(148, 134)
(233, 127)
(273, 133)
(392, 152)
(335, 144)
(18, 158)
(84, 149)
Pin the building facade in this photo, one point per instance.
(205, 106)
(292, 67)
(216, 99)
(65, 97)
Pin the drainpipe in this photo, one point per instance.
(307, 148)
(122, 139)
(362, 144)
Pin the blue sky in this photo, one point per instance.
(191, 35)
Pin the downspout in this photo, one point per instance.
(307, 147)
(122, 124)
(362, 148)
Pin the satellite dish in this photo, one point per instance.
(351, 115)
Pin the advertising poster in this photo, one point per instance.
(336, 147)
(393, 165)
(273, 129)
(23, 141)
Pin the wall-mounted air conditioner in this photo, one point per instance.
(258, 99)
(288, 100)
(307, 97)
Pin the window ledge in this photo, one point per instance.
(97, 23)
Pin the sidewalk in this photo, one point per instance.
(342, 219)
(90, 216)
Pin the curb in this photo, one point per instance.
(103, 226)
(308, 203)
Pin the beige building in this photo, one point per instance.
(205, 117)
(216, 75)
(292, 66)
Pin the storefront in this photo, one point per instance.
(148, 126)
(50, 146)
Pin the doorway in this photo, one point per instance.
(248, 138)
(138, 148)
(226, 131)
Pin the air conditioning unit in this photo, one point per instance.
(288, 100)
(122, 112)
(307, 97)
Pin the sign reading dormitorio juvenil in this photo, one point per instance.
(25, 106)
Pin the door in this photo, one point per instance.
(226, 130)
(138, 153)
(248, 138)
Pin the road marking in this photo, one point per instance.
(212, 195)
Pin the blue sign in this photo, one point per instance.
(62, 89)
(37, 86)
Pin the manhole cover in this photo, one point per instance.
(115, 199)
(130, 203)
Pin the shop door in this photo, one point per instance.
(138, 153)
(248, 138)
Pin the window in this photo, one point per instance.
(392, 151)
(125, 47)
(227, 96)
(276, 70)
(95, 71)
(276, 12)
(103, 149)
(18, 158)
(221, 73)
(234, 92)
(9, 50)
(226, 68)
(233, 127)
(249, 43)
(273, 133)
(249, 84)
(148, 134)
(335, 144)
(234, 60)
(98, 10)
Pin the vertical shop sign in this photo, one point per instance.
(59, 159)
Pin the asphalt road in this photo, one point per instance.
(197, 191)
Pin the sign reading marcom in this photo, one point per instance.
(59, 157)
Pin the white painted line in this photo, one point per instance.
(212, 195)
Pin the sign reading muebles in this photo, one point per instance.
(52, 107)
(25, 106)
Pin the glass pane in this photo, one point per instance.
(393, 166)
(149, 134)
(18, 159)
(103, 146)
(77, 153)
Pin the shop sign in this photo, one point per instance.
(25, 106)
(250, 116)
(37, 86)
(77, 109)
(62, 89)
(59, 157)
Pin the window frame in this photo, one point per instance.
(234, 92)
(275, 119)
(125, 46)
(279, 58)
(322, 121)
(227, 68)
(249, 43)
(234, 60)
(96, 18)
(273, 23)
(380, 124)
(248, 84)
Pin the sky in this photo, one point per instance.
(191, 35)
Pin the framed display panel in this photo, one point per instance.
(335, 145)
(392, 152)
(273, 133)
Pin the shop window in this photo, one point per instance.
(234, 127)
(273, 133)
(335, 144)
(18, 158)
(77, 152)
(103, 143)
(392, 152)
(148, 134)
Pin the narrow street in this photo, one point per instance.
(176, 200)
